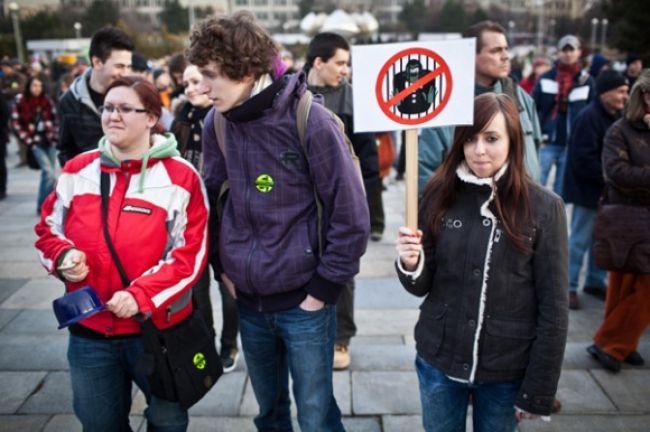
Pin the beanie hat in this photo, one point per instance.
(598, 62)
(631, 58)
(608, 80)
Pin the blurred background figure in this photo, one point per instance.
(33, 119)
(140, 66)
(634, 64)
(626, 163)
(540, 66)
(597, 64)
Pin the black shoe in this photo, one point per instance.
(3, 195)
(229, 359)
(635, 359)
(604, 359)
(598, 292)
(574, 303)
(375, 236)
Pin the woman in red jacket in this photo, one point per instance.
(157, 215)
(33, 119)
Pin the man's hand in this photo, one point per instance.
(123, 304)
(74, 267)
(311, 304)
(230, 286)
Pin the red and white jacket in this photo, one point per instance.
(158, 227)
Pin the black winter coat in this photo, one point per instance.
(583, 175)
(492, 313)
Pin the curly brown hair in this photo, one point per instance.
(236, 43)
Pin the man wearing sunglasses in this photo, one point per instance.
(80, 126)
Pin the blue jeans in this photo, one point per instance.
(102, 372)
(580, 242)
(444, 402)
(299, 342)
(46, 158)
(550, 155)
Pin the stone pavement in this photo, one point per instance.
(378, 393)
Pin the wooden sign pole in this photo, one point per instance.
(411, 175)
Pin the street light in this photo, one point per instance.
(551, 31)
(603, 35)
(594, 26)
(13, 7)
(77, 29)
(540, 26)
(192, 13)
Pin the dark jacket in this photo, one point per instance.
(339, 101)
(493, 313)
(556, 127)
(267, 239)
(80, 126)
(626, 163)
(583, 175)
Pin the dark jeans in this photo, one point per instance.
(444, 402)
(102, 372)
(3, 166)
(296, 341)
(345, 326)
(230, 313)
(375, 205)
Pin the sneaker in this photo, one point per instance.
(635, 359)
(341, 357)
(375, 236)
(229, 359)
(598, 292)
(574, 303)
(606, 360)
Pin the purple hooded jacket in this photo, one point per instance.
(267, 240)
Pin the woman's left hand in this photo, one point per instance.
(123, 304)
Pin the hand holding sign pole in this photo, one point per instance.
(415, 87)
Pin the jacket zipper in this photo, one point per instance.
(249, 260)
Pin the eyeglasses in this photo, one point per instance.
(121, 109)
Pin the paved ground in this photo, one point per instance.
(378, 393)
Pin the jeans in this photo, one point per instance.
(296, 341)
(230, 314)
(102, 372)
(444, 402)
(550, 155)
(46, 158)
(345, 326)
(580, 242)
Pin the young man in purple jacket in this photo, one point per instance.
(265, 244)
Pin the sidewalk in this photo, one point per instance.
(378, 393)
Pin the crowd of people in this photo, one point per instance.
(210, 157)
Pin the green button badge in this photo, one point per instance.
(199, 361)
(264, 183)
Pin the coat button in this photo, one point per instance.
(471, 323)
(308, 251)
(525, 396)
(486, 222)
(465, 366)
(477, 272)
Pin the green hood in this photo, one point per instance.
(164, 146)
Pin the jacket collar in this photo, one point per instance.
(80, 90)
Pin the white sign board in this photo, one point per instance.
(413, 85)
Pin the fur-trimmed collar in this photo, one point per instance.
(465, 174)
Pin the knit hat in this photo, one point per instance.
(139, 63)
(632, 57)
(608, 80)
(569, 40)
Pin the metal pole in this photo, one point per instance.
(603, 35)
(192, 16)
(594, 26)
(540, 26)
(77, 30)
(15, 20)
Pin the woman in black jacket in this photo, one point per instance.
(493, 267)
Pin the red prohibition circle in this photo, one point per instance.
(445, 71)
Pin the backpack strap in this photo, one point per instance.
(302, 116)
(220, 134)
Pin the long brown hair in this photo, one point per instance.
(635, 108)
(511, 201)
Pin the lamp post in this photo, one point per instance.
(15, 20)
(511, 32)
(551, 31)
(77, 30)
(603, 35)
(191, 12)
(540, 26)
(594, 26)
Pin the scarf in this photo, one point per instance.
(565, 74)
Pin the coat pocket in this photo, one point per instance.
(506, 344)
(430, 329)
